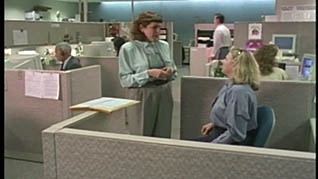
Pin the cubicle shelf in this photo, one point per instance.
(206, 31)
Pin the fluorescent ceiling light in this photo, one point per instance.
(78, 0)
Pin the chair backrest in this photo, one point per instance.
(266, 123)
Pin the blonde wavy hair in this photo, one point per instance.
(143, 19)
(245, 68)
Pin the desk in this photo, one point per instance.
(292, 68)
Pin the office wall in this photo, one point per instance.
(280, 3)
(305, 31)
(186, 13)
(14, 9)
(67, 9)
(52, 32)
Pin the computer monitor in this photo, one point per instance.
(308, 67)
(24, 62)
(285, 42)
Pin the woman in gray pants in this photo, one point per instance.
(146, 70)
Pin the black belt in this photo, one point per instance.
(158, 82)
(153, 83)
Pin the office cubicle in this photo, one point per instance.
(292, 101)
(305, 31)
(109, 74)
(80, 148)
(26, 117)
(52, 32)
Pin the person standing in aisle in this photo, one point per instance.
(145, 71)
(221, 38)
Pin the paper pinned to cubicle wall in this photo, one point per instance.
(20, 37)
(42, 85)
(255, 31)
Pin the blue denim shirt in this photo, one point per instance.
(236, 111)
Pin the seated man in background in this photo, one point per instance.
(63, 53)
(118, 42)
(265, 56)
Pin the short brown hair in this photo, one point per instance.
(143, 19)
(265, 57)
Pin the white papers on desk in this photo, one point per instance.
(107, 102)
(292, 71)
(20, 37)
(42, 85)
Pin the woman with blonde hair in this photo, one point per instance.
(234, 111)
(145, 71)
(265, 56)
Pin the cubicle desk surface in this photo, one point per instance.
(292, 102)
(26, 117)
(73, 150)
(109, 74)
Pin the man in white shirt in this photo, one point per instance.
(221, 38)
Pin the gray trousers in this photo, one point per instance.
(152, 117)
(222, 52)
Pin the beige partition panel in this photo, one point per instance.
(26, 117)
(109, 75)
(177, 53)
(198, 60)
(47, 32)
(70, 152)
(292, 102)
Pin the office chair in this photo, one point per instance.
(266, 123)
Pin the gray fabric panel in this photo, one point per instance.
(196, 97)
(85, 85)
(26, 117)
(49, 162)
(109, 74)
(82, 157)
(292, 102)
(104, 123)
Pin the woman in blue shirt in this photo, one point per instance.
(145, 70)
(234, 112)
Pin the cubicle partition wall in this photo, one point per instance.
(73, 150)
(109, 74)
(51, 32)
(292, 102)
(199, 57)
(305, 31)
(26, 117)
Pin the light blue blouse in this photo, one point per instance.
(136, 57)
(235, 110)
